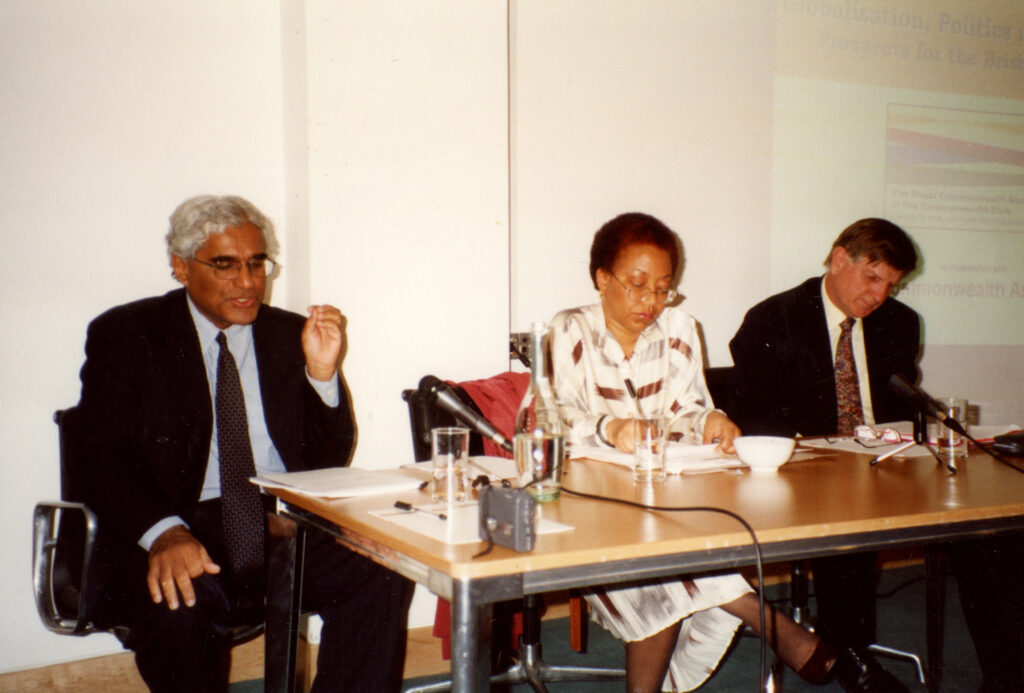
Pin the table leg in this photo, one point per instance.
(935, 601)
(799, 609)
(471, 639)
(284, 599)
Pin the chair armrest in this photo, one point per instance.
(48, 578)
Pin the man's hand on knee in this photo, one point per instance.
(174, 559)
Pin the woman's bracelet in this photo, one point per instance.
(601, 431)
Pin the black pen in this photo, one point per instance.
(636, 400)
(409, 507)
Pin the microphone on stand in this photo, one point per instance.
(924, 402)
(437, 391)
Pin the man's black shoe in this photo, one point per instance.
(858, 672)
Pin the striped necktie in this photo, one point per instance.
(848, 405)
(240, 499)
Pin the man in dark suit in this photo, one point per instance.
(784, 355)
(166, 382)
(785, 384)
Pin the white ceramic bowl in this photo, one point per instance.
(764, 454)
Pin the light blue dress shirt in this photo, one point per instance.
(264, 454)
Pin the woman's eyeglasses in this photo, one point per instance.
(639, 292)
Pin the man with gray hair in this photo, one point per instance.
(184, 397)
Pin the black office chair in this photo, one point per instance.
(723, 393)
(529, 666)
(63, 547)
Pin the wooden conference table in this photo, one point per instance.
(820, 503)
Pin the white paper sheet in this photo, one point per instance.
(680, 458)
(497, 468)
(339, 482)
(906, 430)
(461, 525)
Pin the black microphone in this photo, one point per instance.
(924, 401)
(438, 392)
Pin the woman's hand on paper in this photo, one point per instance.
(719, 428)
(620, 434)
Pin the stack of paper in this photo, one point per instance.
(496, 468)
(679, 458)
(339, 482)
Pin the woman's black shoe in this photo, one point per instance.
(858, 672)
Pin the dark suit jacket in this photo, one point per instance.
(784, 379)
(147, 416)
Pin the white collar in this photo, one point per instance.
(833, 316)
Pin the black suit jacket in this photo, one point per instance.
(784, 379)
(147, 416)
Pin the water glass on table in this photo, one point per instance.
(540, 460)
(450, 450)
(951, 445)
(649, 441)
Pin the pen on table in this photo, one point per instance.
(409, 507)
(895, 451)
(504, 482)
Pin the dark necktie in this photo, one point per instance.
(240, 499)
(848, 406)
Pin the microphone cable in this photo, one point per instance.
(763, 676)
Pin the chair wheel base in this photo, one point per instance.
(533, 670)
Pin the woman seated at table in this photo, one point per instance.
(676, 630)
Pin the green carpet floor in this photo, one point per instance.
(901, 624)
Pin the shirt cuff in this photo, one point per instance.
(700, 422)
(329, 390)
(159, 528)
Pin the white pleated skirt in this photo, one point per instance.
(641, 610)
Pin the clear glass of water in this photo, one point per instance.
(450, 449)
(649, 448)
(540, 460)
(950, 444)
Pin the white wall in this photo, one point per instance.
(409, 198)
(665, 110)
(391, 169)
(113, 112)
(408, 171)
